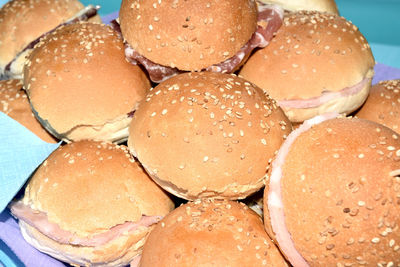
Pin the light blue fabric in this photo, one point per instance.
(21, 152)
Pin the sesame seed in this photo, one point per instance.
(375, 240)
(205, 159)
(263, 141)
(164, 111)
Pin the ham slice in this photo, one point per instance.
(270, 19)
(39, 220)
(325, 97)
(274, 201)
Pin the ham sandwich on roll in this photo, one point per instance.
(168, 37)
(207, 134)
(80, 85)
(211, 233)
(90, 204)
(24, 22)
(333, 194)
(316, 63)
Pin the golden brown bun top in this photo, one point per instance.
(189, 35)
(383, 105)
(210, 233)
(87, 187)
(22, 21)
(78, 75)
(343, 175)
(312, 53)
(14, 102)
(297, 5)
(207, 135)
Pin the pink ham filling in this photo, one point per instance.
(325, 97)
(269, 15)
(39, 221)
(135, 262)
(274, 201)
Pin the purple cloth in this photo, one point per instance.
(108, 18)
(384, 72)
(12, 237)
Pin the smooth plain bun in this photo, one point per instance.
(383, 105)
(328, 6)
(207, 135)
(23, 21)
(89, 203)
(14, 102)
(188, 35)
(317, 63)
(210, 233)
(333, 194)
(80, 85)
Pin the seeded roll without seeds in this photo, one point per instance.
(14, 102)
(189, 35)
(210, 233)
(383, 105)
(80, 85)
(23, 21)
(90, 204)
(333, 194)
(316, 63)
(207, 135)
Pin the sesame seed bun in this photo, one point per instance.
(185, 34)
(383, 105)
(207, 135)
(317, 63)
(23, 21)
(89, 188)
(328, 6)
(339, 194)
(14, 102)
(210, 233)
(80, 86)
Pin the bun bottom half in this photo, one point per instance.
(119, 252)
